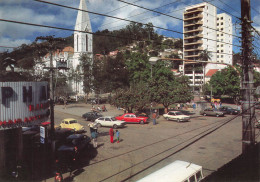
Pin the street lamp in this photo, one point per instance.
(152, 61)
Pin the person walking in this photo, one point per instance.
(94, 138)
(111, 133)
(117, 136)
(154, 116)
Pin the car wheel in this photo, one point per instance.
(141, 122)
(204, 114)
(98, 125)
(217, 115)
(115, 126)
(167, 119)
(178, 120)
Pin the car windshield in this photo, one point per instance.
(73, 121)
(178, 113)
(113, 119)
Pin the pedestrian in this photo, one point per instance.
(111, 133)
(117, 136)
(178, 106)
(94, 138)
(154, 116)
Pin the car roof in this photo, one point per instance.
(75, 136)
(69, 119)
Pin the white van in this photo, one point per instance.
(178, 171)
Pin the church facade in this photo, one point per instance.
(83, 44)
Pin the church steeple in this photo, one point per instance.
(82, 41)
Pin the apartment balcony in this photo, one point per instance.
(192, 56)
(194, 30)
(193, 37)
(193, 24)
(193, 43)
(193, 49)
(193, 11)
(199, 16)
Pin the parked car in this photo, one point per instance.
(176, 116)
(229, 110)
(132, 118)
(211, 112)
(91, 116)
(109, 121)
(72, 124)
(69, 152)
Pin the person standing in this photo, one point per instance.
(111, 133)
(94, 138)
(154, 116)
(117, 136)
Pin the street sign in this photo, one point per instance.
(42, 132)
(42, 139)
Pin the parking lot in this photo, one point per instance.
(207, 141)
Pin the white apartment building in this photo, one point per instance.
(203, 29)
(224, 37)
(199, 28)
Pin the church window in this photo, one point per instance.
(77, 43)
(86, 42)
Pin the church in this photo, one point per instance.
(83, 44)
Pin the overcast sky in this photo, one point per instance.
(30, 11)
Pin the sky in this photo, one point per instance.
(31, 11)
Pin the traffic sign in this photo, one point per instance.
(42, 140)
(42, 132)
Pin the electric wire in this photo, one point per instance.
(170, 16)
(117, 17)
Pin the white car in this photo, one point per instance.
(109, 121)
(176, 116)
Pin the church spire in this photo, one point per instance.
(82, 41)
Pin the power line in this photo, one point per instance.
(222, 10)
(229, 6)
(123, 18)
(169, 15)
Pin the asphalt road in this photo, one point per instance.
(207, 141)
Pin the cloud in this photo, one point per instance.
(9, 42)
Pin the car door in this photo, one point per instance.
(210, 112)
(172, 115)
(108, 122)
(127, 118)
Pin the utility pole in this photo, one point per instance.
(51, 48)
(247, 90)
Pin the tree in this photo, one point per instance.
(226, 82)
(167, 89)
(178, 44)
(138, 67)
(205, 55)
(86, 65)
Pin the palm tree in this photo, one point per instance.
(204, 55)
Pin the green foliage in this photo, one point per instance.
(135, 97)
(110, 74)
(86, 65)
(138, 67)
(226, 82)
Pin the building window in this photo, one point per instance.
(217, 18)
(222, 56)
(221, 45)
(221, 23)
(217, 35)
(222, 51)
(217, 24)
(222, 34)
(221, 18)
(217, 45)
(221, 29)
(217, 56)
(217, 51)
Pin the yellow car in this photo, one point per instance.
(71, 124)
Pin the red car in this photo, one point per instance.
(132, 118)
